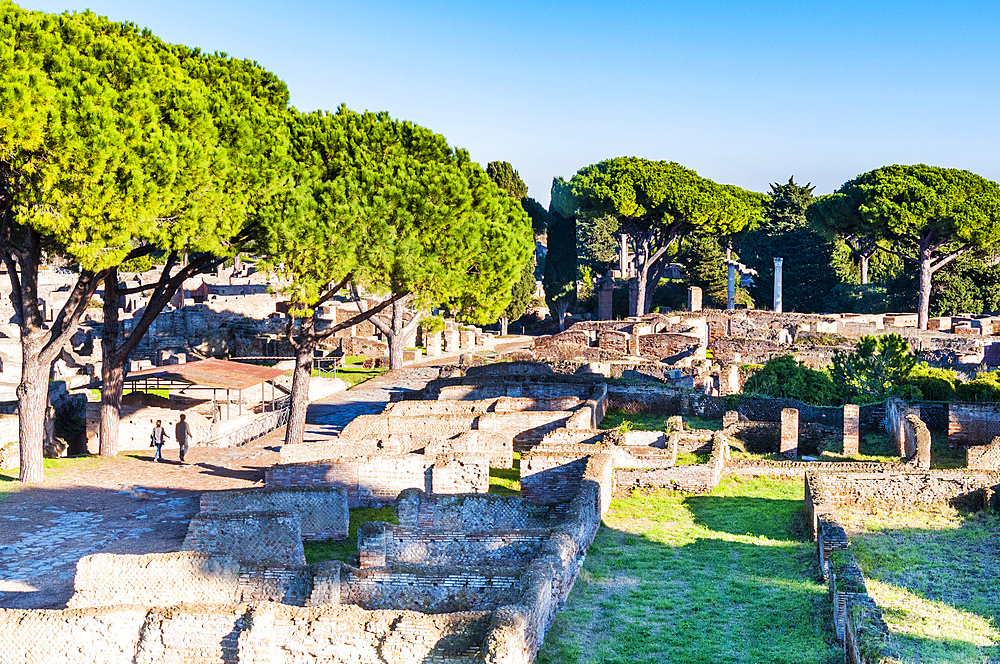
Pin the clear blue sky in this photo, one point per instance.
(745, 93)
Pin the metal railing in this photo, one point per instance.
(262, 425)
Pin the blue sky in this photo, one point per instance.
(745, 93)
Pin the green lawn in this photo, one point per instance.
(650, 422)
(936, 575)
(346, 550)
(507, 481)
(728, 577)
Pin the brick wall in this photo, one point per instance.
(498, 447)
(372, 480)
(548, 478)
(259, 633)
(332, 448)
(263, 537)
(322, 512)
(972, 423)
(471, 512)
(381, 544)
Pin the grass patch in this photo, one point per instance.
(728, 577)
(692, 458)
(934, 573)
(347, 550)
(507, 481)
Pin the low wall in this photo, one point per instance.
(972, 423)
(381, 544)
(498, 447)
(472, 512)
(259, 633)
(426, 589)
(322, 512)
(338, 447)
(185, 577)
(550, 477)
(696, 478)
(269, 538)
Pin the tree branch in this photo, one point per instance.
(360, 318)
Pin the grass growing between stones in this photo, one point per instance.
(725, 578)
(347, 550)
(507, 481)
(936, 576)
(651, 422)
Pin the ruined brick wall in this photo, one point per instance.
(374, 480)
(262, 537)
(614, 340)
(958, 487)
(427, 589)
(695, 478)
(185, 577)
(972, 423)
(549, 478)
(381, 544)
(658, 399)
(323, 512)
(333, 448)
(497, 447)
(460, 473)
(666, 345)
(259, 633)
(984, 457)
(471, 512)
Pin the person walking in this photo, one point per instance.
(156, 439)
(182, 432)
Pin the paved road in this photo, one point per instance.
(128, 504)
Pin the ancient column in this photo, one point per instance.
(731, 292)
(777, 284)
(852, 417)
(789, 433)
(694, 298)
(623, 257)
(605, 292)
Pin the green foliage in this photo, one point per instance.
(559, 279)
(878, 367)
(985, 387)
(391, 206)
(808, 275)
(785, 378)
(539, 216)
(927, 213)
(139, 264)
(505, 177)
(597, 241)
(520, 294)
(702, 260)
(933, 383)
(969, 284)
(432, 324)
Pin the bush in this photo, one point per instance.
(785, 378)
(934, 384)
(877, 368)
(985, 387)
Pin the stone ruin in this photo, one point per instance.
(463, 576)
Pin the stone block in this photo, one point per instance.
(940, 323)
(694, 298)
(900, 320)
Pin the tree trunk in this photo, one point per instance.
(296, 429)
(112, 371)
(504, 322)
(396, 344)
(32, 402)
(397, 331)
(863, 260)
(640, 291)
(562, 306)
(923, 308)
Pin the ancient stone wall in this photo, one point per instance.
(381, 544)
(958, 487)
(262, 537)
(258, 633)
(695, 478)
(972, 423)
(185, 577)
(377, 480)
(322, 512)
(472, 512)
(984, 457)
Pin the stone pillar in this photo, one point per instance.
(623, 256)
(467, 338)
(731, 290)
(729, 380)
(777, 283)
(451, 339)
(852, 419)
(694, 298)
(789, 433)
(605, 294)
(633, 296)
(432, 342)
(730, 418)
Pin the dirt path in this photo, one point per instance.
(129, 504)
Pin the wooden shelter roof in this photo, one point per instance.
(221, 374)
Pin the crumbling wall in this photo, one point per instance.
(263, 537)
(322, 512)
(381, 544)
(695, 478)
(972, 423)
(472, 512)
(185, 577)
(258, 633)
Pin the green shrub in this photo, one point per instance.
(981, 389)
(934, 384)
(784, 377)
(432, 324)
(877, 368)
